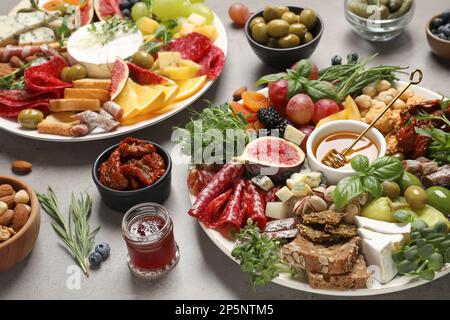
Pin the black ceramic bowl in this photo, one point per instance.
(121, 201)
(284, 58)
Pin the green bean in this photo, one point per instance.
(406, 5)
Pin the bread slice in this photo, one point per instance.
(355, 279)
(328, 259)
(59, 124)
(63, 105)
(92, 84)
(81, 93)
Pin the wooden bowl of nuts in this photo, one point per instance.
(19, 221)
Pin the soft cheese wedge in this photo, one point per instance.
(378, 255)
(382, 226)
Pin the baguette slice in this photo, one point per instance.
(92, 84)
(63, 105)
(81, 93)
(59, 124)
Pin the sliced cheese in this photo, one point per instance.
(169, 59)
(284, 194)
(263, 182)
(383, 226)
(37, 36)
(279, 210)
(378, 256)
(13, 26)
(294, 135)
(301, 189)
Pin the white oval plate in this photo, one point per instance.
(399, 283)
(13, 126)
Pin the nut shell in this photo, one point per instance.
(6, 190)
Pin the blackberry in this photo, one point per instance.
(269, 117)
(281, 127)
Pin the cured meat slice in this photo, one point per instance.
(13, 112)
(255, 206)
(45, 77)
(193, 47)
(198, 179)
(221, 181)
(232, 213)
(212, 63)
(94, 119)
(214, 210)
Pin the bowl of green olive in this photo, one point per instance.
(283, 35)
(379, 20)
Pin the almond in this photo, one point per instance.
(21, 166)
(6, 190)
(7, 217)
(20, 217)
(9, 200)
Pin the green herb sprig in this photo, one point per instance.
(368, 178)
(109, 28)
(75, 232)
(12, 81)
(259, 255)
(163, 35)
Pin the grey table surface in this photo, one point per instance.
(203, 272)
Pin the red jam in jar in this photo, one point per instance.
(148, 232)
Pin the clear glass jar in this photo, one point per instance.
(148, 232)
(374, 29)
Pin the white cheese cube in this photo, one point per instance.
(169, 59)
(37, 36)
(313, 179)
(378, 255)
(197, 19)
(187, 28)
(284, 194)
(263, 182)
(294, 135)
(301, 189)
(279, 210)
(382, 226)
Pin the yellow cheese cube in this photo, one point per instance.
(208, 31)
(187, 28)
(197, 19)
(169, 59)
(188, 71)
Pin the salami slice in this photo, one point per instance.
(232, 213)
(212, 63)
(215, 209)
(198, 179)
(193, 47)
(46, 76)
(255, 206)
(13, 112)
(220, 182)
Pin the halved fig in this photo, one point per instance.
(107, 9)
(119, 77)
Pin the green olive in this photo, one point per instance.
(408, 179)
(272, 42)
(143, 59)
(30, 118)
(308, 37)
(259, 33)
(309, 18)
(76, 72)
(298, 29)
(282, 9)
(400, 156)
(289, 41)
(278, 28)
(270, 13)
(416, 197)
(63, 74)
(256, 20)
(391, 189)
(289, 17)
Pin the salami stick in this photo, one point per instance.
(221, 181)
(232, 213)
(214, 210)
(255, 206)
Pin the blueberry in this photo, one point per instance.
(95, 259)
(336, 60)
(446, 30)
(352, 57)
(124, 4)
(442, 36)
(433, 31)
(133, 2)
(437, 22)
(126, 13)
(446, 15)
(441, 29)
(103, 249)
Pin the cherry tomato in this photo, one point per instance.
(278, 95)
(300, 109)
(239, 13)
(307, 130)
(324, 108)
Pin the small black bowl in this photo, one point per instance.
(280, 58)
(121, 201)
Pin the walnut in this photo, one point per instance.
(4, 234)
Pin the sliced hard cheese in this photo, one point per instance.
(189, 87)
(62, 105)
(284, 194)
(13, 26)
(279, 210)
(263, 182)
(294, 135)
(187, 28)
(37, 36)
(169, 59)
(313, 179)
(382, 226)
(92, 84)
(301, 189)
(80, 93)
(378, 255)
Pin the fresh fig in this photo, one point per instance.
(272, 156)
(119, 77)
(107, 9)
(85, 13)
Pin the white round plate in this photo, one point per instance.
(11, 125)
(399, 283)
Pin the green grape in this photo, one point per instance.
(170, 9)
(202, 10)
(139, 10)
(197, 1)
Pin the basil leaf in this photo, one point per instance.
(346, 190)
(372, 186)
(270, 78)
(360, 163)
(318, 90)
(304, 68)
(386, 168)
(294, 87)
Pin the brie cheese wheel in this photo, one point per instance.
(90, 50)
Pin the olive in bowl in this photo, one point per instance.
(438, 34)
(281, 36)
(133, 172)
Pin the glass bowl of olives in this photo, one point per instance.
(282, 35)
(379, 20)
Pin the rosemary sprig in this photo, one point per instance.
(75, 232)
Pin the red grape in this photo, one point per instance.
(324, 108)
(300, 109)
(278, 95)
(307, 130)
(239, 13)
